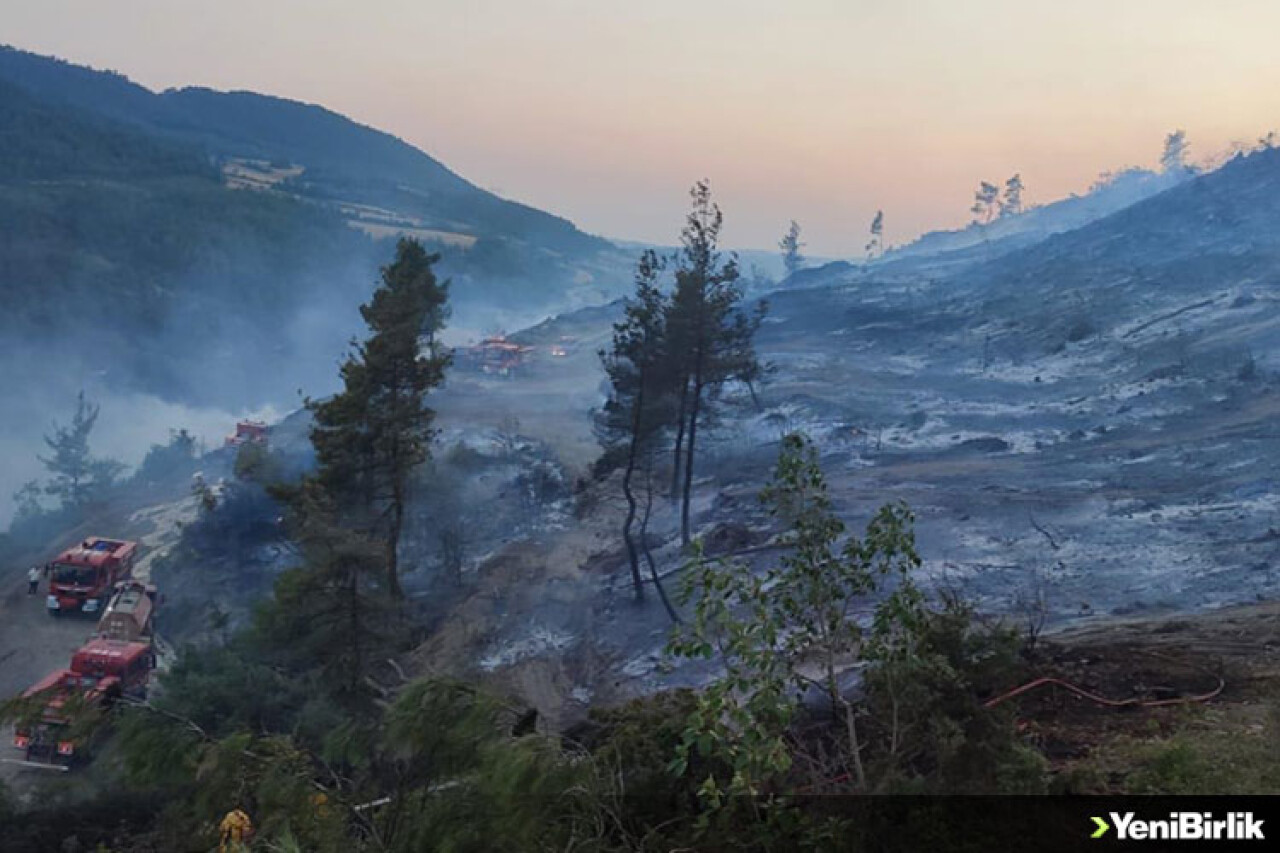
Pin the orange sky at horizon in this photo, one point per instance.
(817, 110)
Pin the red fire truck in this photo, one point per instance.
(248, 432)
(85, 575)
(65, 702)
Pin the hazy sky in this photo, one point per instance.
(819, 110)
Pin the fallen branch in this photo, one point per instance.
(1053, 543)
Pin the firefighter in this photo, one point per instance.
(236, 828)
(33, 580)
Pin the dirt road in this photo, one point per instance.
(33, 643)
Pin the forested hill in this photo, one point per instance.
(178, 242)
(341, 159)
(126, 251)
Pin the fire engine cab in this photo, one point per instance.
(85, 575)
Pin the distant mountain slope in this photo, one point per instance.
(179, 242)
(941, 254)
(1219, 227)
(1013, 232)
(342, 159)
(124, 254)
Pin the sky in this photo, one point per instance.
(822, 111)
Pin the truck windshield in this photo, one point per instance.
(77, 575)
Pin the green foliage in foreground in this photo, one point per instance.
(286, 722)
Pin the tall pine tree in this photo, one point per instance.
(329, 615)
(372, 435)
(639, 407)
(711, 335)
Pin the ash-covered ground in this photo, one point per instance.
(1085, 429)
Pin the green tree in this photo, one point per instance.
(739, 720)
(470, 774)
(639, 406)
(773, 631)
(329, 614)
(78, 476)
(371, 436)
(711, 336)
(818, 582)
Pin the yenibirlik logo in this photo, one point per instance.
(1183, 826)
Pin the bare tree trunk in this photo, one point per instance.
(633, 555)
(688, 463)
(393, 539)
(851, 730)
(353, 616)
(850, 725)
(644, 542)
(677, 457)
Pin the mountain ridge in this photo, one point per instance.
(347, 157)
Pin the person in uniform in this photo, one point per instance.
(235, 830)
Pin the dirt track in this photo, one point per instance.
(33, 643)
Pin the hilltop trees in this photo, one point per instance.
(989, 203)
(1011, 204)
(639, 408)
(77, 474)
(711, 336)
(790, 245)
(985, 202)
(370, 436)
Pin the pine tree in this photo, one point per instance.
(1011, 204)
(875, 246)
(639, 407)
(329, 614)
(77, 475)
(711, 336)
(372, 435)
(790, 245)
(985, 202)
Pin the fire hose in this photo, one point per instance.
(1131, 702)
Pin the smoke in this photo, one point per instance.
(221, 353)
(43, 394)
(207, 366)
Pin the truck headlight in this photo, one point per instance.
(52, 602)
(90, 605)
